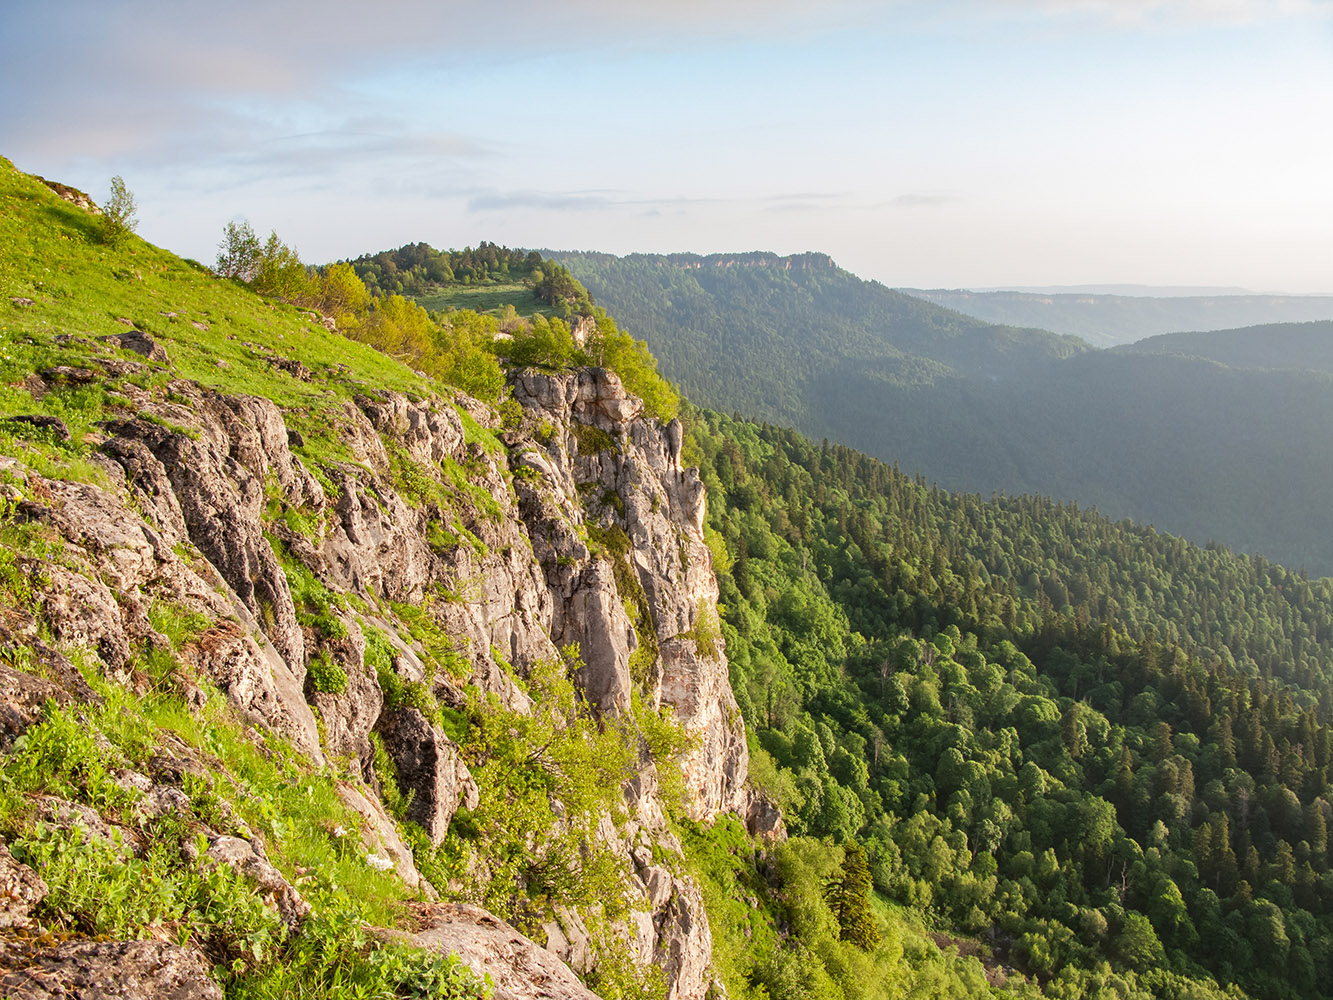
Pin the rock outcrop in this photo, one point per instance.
(21, 889)
(430, 767)
(380, 834)
(520, 968)
(241, 855)
(619, 477)
(426, 553)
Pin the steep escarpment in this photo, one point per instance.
(641, 591)
(315, 671)
(358, 607)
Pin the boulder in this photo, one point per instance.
(381, 835)
(21, 889)
(140, 343)
(22, 697)
(241, 855)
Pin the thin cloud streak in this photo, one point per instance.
(1146, 13)
(614, 201)
(922, 200)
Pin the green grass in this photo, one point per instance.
(216, 332)
(486, 298)
(250, 784)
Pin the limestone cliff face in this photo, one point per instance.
(585, 528)
(604, 470)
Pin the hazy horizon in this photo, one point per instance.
(985, 145)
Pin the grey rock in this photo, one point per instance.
(348, 714)
(21, 889)
(84, 612)
(292, 367)
(125, 549)
(662, 517)
(140, 343)
(54, 426)
(241, 855)
(380, 834)
(429, 433)
(88, 822)
(104, 970)
(568, 938)
(430, 766)
(520, 968)
(217, 474)
(68, 375)
(684, 947)
(763, 818)
(256, 680)
(22, 697)
(594, 617)
(519, 582)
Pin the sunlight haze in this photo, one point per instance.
(926, 145)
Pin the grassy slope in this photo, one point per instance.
(486, 299)
(217, 333)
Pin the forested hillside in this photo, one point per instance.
(757, 332)
(1103, 750)
(1201, 450)
(1295, 346)
(1107, 319)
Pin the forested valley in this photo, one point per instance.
(1102, 749)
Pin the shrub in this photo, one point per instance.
(118, 214)
(327, 676)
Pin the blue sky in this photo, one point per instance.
(1011, 142)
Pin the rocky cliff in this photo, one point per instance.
(441, 552)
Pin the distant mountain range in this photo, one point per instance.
(1106, 315)
(1285, 346)
(1225, 436)
(1142, 291)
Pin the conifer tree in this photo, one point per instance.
(848, 895)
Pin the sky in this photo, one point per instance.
(960, 143)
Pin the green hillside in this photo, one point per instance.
(1302, 347)
(760, 334)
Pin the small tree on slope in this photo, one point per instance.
(848, 895)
